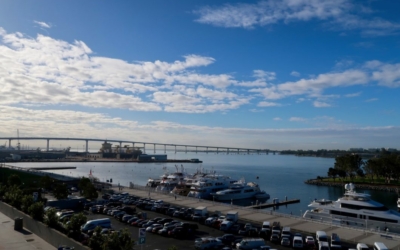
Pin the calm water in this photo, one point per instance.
(278, 175)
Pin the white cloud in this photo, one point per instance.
(44, 71)
(297, 119)
(295, 73)
(372, 100)
(314, 86)
(43, 24)
(277, 119)
(340, 14)
(353, 95)
(268, 104)
(319, 104)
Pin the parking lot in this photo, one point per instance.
(153, 240)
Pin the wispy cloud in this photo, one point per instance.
(277, 119)
(372, 100)
(353, 95)
(43, 24)
(268, 104)
(319, 104)
(295, 73)
(340, 14)
(297, 119)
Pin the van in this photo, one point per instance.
(286, 232)
(321, 237)
(92, 224)
(250, 243)
(335, 242)
(297, 242)
(266, 227)
(362, 246)
(323, 245)
(380, 246)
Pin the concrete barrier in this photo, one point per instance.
(48, 234)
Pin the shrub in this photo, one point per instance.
(74, 226)
(27, 201)
(14, 197)
(51, 219)
(97, 240)
(36, 211)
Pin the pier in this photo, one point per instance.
(274, 204)
(52, 168)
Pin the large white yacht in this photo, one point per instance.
(203, 186)
(240, 190)
(355, 209)
(172, 180)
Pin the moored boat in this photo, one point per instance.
(356, 210)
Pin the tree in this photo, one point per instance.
(97, 240)
(51, 219)
(119, 241)
(332, 173)
(14, 197)
(46, 182)
(60, 191)
(27, 201)
(14, 180)
(74, 226)
(88, 189)
(36, 211)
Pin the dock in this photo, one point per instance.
(274, 204)
(52, 168)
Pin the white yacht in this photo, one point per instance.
(203, 187)
(240, 190)
(172, 180)
(356, 210)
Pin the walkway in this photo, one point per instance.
(19, 240)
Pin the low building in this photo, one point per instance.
(149, 158)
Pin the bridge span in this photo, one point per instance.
(153, 145)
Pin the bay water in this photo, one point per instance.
(281, 176)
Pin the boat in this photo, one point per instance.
(172, 180)
(355, 210)
(240, 190)
(398, 204)
(210, 183)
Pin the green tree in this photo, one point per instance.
(88, 190)
(14, 197)
(60, 191)
(119, 241)
(74, 226)
(332, 173)
(51, 219)
(36, 211)
(14, 180)
(46, 182)
(27, 201)
(97, 240)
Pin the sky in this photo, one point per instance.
(276, 74)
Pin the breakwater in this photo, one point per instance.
(378, 187)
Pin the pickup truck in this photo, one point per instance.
(227, 239)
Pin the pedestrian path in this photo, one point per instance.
(296, 223)
(19, 240)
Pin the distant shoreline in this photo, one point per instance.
(369, 186)
(104, 160)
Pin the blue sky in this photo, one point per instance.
(291, 74)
